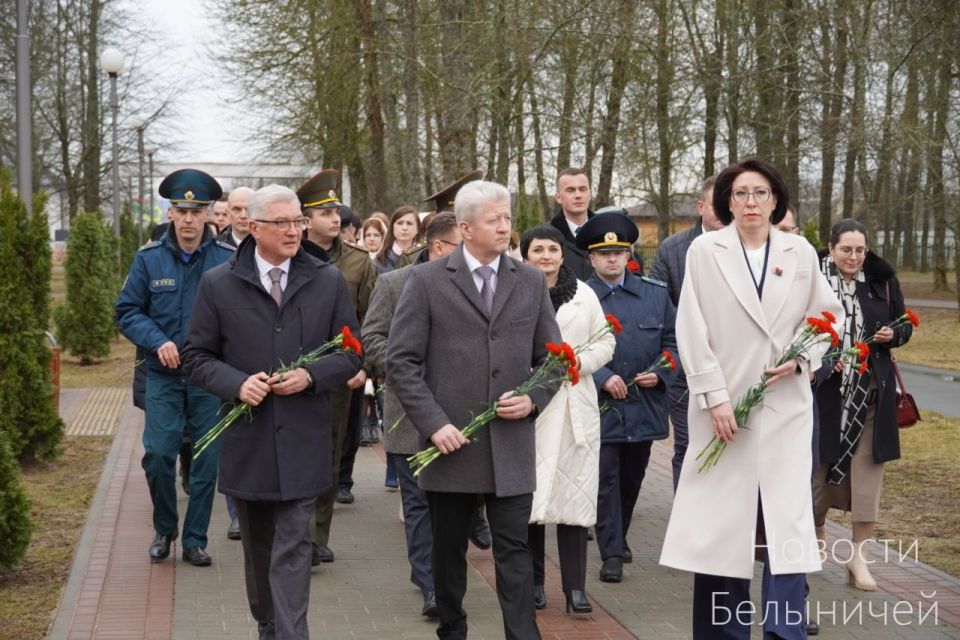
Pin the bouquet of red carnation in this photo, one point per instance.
(633, 265)
(816, 331)
(344, 341)
(856, 356)
(664, 361)
(559, 356)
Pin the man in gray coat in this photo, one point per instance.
(668, 267)
(467, 331)
(400, 438)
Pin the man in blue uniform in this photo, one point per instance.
(633, 401)
(153, 312)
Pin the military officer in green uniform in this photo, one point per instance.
(321, 207)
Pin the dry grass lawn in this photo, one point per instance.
(116, 370)
(60, 494)
(920, 492)
(920, 285)
(936, 342)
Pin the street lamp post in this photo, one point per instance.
(150, 165)
(140, 183)
(111, 61)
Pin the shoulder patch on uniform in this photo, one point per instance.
(353, 247)
(153, 244)
(659, 283)
(415, 249)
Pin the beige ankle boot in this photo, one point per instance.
(858, 572)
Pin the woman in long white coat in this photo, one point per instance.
(568, 430)
(747, 292)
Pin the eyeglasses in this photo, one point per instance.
(284, 225)
(848, 251)
(452, 244)
(760, 195)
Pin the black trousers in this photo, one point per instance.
(276, 557)
(622, 469)
(572, 545)
(351, 441)
(450, 517)
(679, 403)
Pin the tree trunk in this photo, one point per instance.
(538, 156)
(909, 166)
(664, 80)
(456, 135)
(730, 15)
(939, 203)
(618, 82)
(377, 183)
(411, 139)
(569, 62)
(792, 89)
(831, 105)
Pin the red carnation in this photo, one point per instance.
(863, 351)
(671, 362)
(350, 343)
(573, 375)
(834, 338)
(554, 349)
(568, 354)
(829, 316)
(633, 265)
(913, 317)
(862, 369)
(615, 325)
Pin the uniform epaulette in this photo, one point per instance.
(354, 247)
(153, 244)
(415, 249)
(659, 283)
(225, 245)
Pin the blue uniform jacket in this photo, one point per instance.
(648, 317)
(157, 297)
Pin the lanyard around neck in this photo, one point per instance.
(763, 271)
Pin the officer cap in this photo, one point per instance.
(320, 191)
(190, 189)
(443, 199)
(608, 230)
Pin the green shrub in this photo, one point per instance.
(811, 231)
(15, 525)
(28, 414)
(85, 322)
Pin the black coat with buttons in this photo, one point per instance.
(237, 330)
(878, 312)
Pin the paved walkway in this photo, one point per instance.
(114, 592)
(930, 303)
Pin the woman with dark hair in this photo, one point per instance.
(568, 430)
(403, 229)
(747, 292)
(858, 421)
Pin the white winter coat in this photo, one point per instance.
(568, 430)
(726, 336)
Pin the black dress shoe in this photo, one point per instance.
(813, 629)
(539, 597)
(233, 531)
(344, 496)
(320, 554)
(480, 532)
(197, 556)
(612, 570)
(160, 547)
(430, 605)
(627, 554)
(589, 533)
(577, 602)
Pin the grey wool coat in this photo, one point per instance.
(399, 435)
(447, 361)
(236, 330)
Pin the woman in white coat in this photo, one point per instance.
(568, 430)
(746, 295)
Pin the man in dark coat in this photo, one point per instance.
(269, 305)
(467, 331)
(573, 197)
(637, 398)
(668, 267)
(153, 310)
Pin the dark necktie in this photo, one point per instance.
(486, 291)
(275, 291)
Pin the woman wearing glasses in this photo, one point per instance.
(747, 291)
(858, 421)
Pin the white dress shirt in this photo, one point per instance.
(264, 268)
(473, 264)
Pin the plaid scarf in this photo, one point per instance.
(853, 387)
